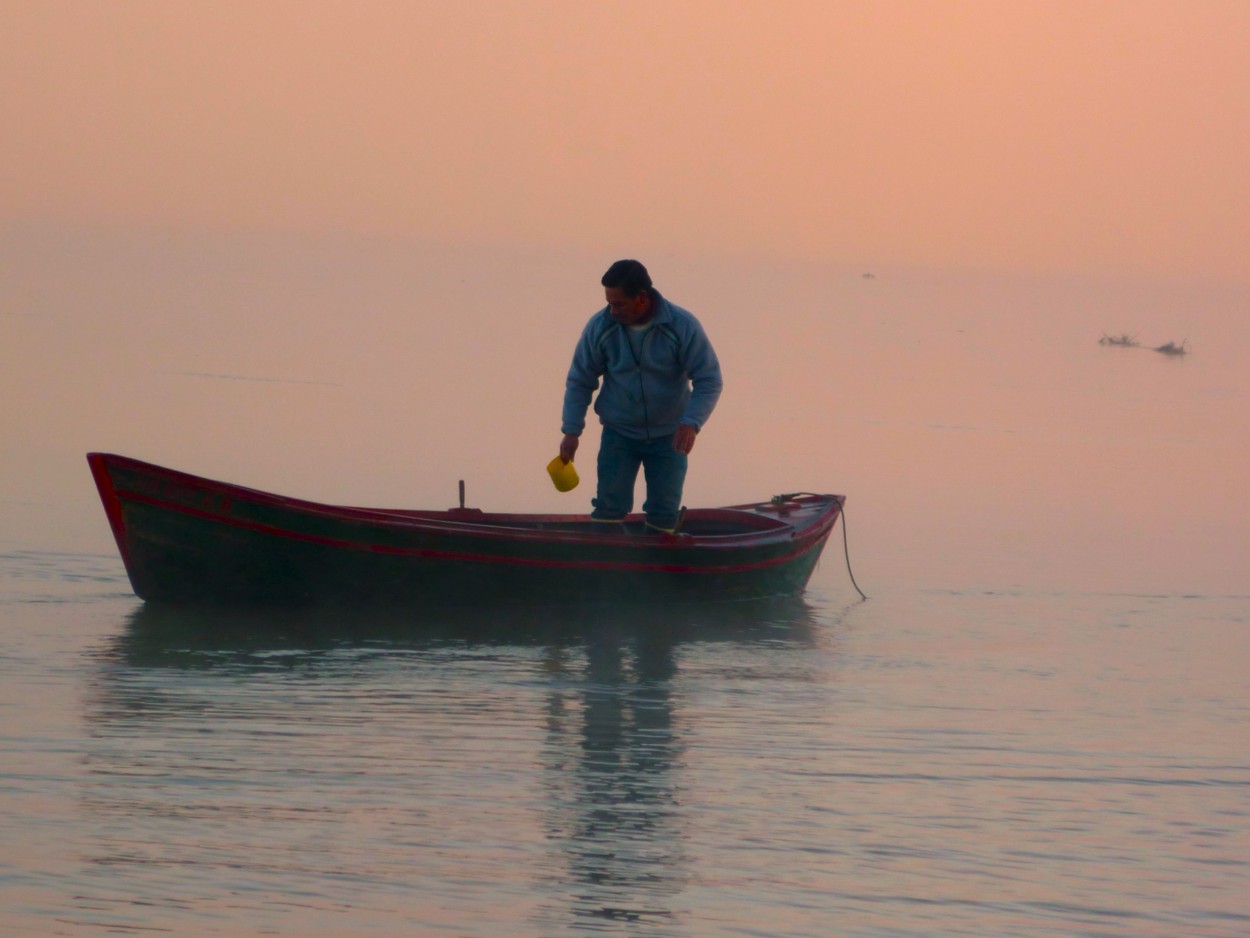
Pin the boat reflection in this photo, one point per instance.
(162, 636)
(603, 773)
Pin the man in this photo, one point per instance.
(661, 380)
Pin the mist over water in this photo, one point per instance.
(979, 429)
(1035, 726)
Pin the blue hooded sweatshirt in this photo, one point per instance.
(664, 375)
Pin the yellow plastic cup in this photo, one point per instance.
(562, 474)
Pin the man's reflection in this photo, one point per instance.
(610, 756)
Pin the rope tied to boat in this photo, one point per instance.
(846, 550)
(780, 500)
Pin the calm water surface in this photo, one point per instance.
(931, 762)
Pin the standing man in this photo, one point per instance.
(661, 380)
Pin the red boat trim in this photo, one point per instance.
(112, 503)
(803, 545)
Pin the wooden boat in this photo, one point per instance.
(190, 540)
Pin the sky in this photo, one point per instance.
(1035, 136)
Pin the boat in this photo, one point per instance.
(189, 540)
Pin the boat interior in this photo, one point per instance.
(703, 523)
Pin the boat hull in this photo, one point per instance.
(189, 540)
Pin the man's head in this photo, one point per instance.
(627, 287)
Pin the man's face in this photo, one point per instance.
(628, 310)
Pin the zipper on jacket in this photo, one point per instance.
(642, 385)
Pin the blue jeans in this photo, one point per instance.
(663, 467)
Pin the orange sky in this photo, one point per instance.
(1110, 136)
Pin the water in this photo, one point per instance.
(1036, 725)
(928, 762)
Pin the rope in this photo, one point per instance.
(847, 551)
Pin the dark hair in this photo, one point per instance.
(630, 277)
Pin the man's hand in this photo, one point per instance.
(683, 439)
(568, 446)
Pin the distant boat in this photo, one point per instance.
(1125, 340)
(190, 540)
